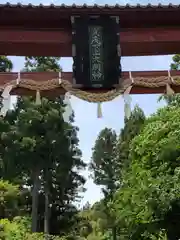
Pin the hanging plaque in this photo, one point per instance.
(96, 51)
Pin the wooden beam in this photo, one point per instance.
(36, 37)
(43, 76)
(150, 41)
(134, 42)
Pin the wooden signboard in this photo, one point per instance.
(96, 51)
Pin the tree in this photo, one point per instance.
(93, 222)
(175, 65)
(9, 196)
(148, 199)
(174, 99)
(6, 64)
(132, 128)
(53, 159)
(48, 143)
(111, 158)
(41, 64)
(102, 165)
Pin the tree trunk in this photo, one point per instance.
(114, 235)
(47, 209)
(35, 195)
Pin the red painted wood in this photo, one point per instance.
(31, 36)
(42, 76)
(134, 42)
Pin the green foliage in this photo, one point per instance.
(9, 196)
(139, 173)
(6, 64)
(103, 164)
(45, 144)
(151, 186)
(132, 128)
(175, 65)
(18, 230)
(95, 222)
(173, 100)
(12, 230)
(42, 64)
(110, 159)
(40, 153)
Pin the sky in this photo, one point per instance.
(113, 112)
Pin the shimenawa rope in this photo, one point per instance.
(124, 89)
(155, 82)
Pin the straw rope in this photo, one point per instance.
(154, 82)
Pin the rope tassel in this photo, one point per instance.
(99, 110)
(128, 90)
(127, 98)
(127, 105)
(6, 100)
(38, 97)
(68, 111)
(169, 90)
(6, 106)
(7, 91)
(127, 110)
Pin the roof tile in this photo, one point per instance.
(107, 6)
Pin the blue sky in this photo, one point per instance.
(113, 112)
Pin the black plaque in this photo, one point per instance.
(96, 59)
